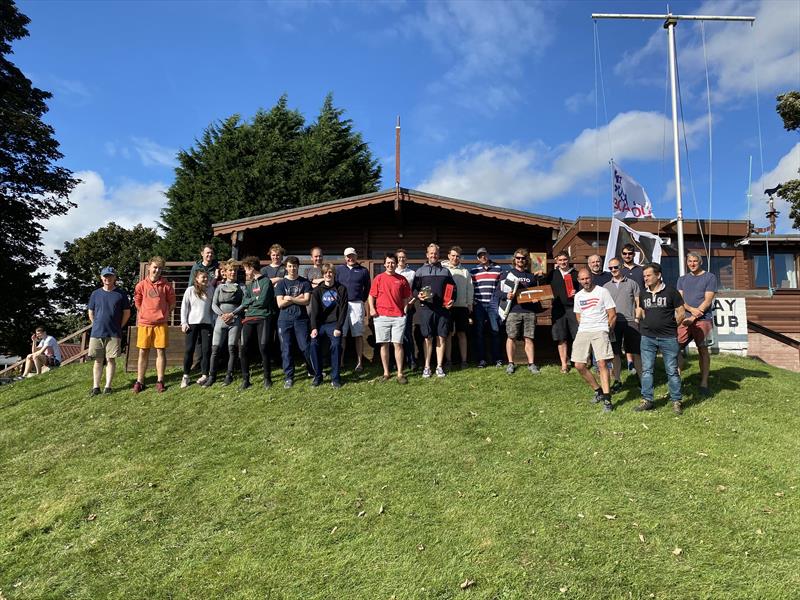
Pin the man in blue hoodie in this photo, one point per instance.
(355, 278)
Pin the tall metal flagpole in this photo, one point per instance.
(670, 21)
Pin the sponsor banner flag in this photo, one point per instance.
(647, 246)
(628, 198)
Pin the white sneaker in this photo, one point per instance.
(202, 379)
(426, 372)
(440, 372)
(185, 381)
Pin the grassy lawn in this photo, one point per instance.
(516, 483)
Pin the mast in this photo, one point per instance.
(397, 159)
(670, 21)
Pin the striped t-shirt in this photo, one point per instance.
(484, 281)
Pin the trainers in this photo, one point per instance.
(631, 368)
(533, 369)
(244, 385)
(607, 406)
(598, 396)
(440, 372)
(267, 383)
(677, 407)
(316, 382)
(336, 385)
(210, 380)
(499, 364)
(482, 364)
(160, 387)
(704, 392)
(359, 368)
(402, 380)
(644, 405)
(138, 387)
(617, 386)
(184, 381)
(202, 380)
(95, 392)
(511, 368)
(287, 384)
(228, 379)
(107, 390)
(426, 372)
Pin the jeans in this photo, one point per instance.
(481, 314)
(202, 333)
(326, 330)
(297, 329)
(669, 350)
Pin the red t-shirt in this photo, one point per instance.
(391, 292)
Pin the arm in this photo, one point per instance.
(91, 316)
(284, 301)
(373, 312)
(470, 293)
(126, 315)
(171, 300)
(680, 314)
(185, 308)
(612, 318)
(343, 310)
(215, 302)
(303, 299)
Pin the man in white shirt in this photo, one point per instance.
(596, 314)
(45, 354)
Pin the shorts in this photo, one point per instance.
(50, 361)
(520, 324)
(152, 336)
(587, 341)
(565, 328)
(104, 347)
(433, 324)
(354, 323)
(389, 329)
(697, 332)
(460, 318)
(626, 338)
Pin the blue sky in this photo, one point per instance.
(497, 100)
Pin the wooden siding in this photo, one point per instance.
(781, 312)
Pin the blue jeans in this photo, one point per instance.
(669, 350)
(480, 315)
(297, 329)
(326, 330)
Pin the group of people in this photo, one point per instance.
(625, 315)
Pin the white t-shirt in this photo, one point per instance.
(592, 307)
(51, 343)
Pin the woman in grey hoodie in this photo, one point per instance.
(227, 305)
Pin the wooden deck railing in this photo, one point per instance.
(70, 351)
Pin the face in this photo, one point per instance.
(154, 271)
(40, 334)
(109, 280)
(202, 278)
(693, 263)
(585, 279)
(229, 274)
(454, 258)
(483, 258)
(390, 265)
(614, 267)
(650, 278)
(351, 259)
(249, 272)
(316, 256)
(562, 262)
(291, 270)
(594, 264)
(207, 254)
(401, 260)
(627, 256)
(328, 277)
(276, 257)
(520, 261)
(432, 254)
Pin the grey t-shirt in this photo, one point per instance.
(694, 288)
(624, 294)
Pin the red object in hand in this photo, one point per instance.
(448, 293)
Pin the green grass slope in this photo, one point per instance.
(514, 483)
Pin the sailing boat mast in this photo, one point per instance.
(670, 21)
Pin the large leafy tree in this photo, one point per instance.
(273, 162)
(789, 110)
(80, 261)
(32, 189)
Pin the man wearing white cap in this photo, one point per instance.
(355, 278)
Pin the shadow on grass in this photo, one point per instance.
(28, 397)
(725, 379)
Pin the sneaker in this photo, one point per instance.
(607, 406)
(402, 380)
(534, 369)
(677, 407)
(267, 384)
(464, 365)
(202, 380)
(631, 368)
(644, 405)
(138, 387)
(598, 396)
(245, 384)
(316, 382)
(228, 379)
(336, 385)
(359, 368)
(184, 381)
(482, 364)
(426, 372)
(107, 390)
(160, 387)
(95, 392)
(499, 364)
(617, 386)
(287, 384)
(511, 368)
(704, 392)
(210, 380)
(440, 372)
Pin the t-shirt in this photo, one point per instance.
(273, 272)
(659, 311)
(51, 344)
(391, 293)
(635, 272)
(592, 307)
(107, 308)
(694, 288)
(484, 281)
(624, 293)
(295, 288)
(408, 273)
(310, 272)
(601, 278)
(526, 280)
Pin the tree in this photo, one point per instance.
(789, 110)
(239, 169)
(80, 261)
(32, 189)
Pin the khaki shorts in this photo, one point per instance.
(152, 336)
(587, 341)
(103, 348)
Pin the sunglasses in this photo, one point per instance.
(520, 257)
(627, 254)
(613, 268)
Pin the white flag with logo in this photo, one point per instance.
(628, 198)
(647, 246)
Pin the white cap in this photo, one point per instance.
(349, 251)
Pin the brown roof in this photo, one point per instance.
(406, 195)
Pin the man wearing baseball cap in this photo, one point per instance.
(109, 311)
(355, 278)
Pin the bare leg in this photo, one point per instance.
(637, 364)
(111, 368)
(510, 349)
(428, 352)
(587, 375)
(359, 349)
(617, 367)
(448, 351)
(399, 358)
(161, 363)
(141, 366)
(385, 359)
(705, 365)
(462, 345)
(605, 384)
(97, 372)
(529, 350)
(562, 354)
(440, 344)
(29, 365)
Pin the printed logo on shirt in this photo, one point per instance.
(329, 298)
(256, 289)
(151, 293)
(588, 303)
(658, 302)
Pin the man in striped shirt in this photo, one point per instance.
(485, 277)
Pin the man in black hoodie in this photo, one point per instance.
(564, 282)
(327, 314)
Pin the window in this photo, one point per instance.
(669, 270)
(722, 267)
(784, 270)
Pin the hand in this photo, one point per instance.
(185, 328)
(227, 318)
(314, 333)
(337, 333)
(421, 297)
(449, 304)
(696, 312)
(510, 295)
(373, 313)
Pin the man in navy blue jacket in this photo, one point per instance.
(432, 284)
(355, 278)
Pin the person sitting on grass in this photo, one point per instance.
(260, 309)
(154, 298)
(45, 353)
(327, 314)
(227, 305)
(196, 323)
(293, 294)
(109, 311)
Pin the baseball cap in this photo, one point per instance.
(108, 271)
(349, 251)
(481, 251)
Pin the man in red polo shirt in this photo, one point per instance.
(388, 301)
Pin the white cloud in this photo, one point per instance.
(786, 169)
(579, 100)
(519, 176)
(127, 205)
(153, 154)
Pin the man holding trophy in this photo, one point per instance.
(435, 288)
(520, 317)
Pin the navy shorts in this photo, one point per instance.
(432, 323)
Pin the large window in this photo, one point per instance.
(722, 267)
(783, 270)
